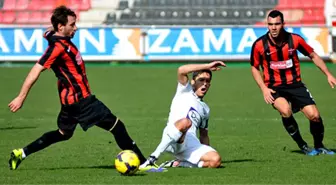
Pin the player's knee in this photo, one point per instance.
(183, 124)
(65, 135)
(315, 116)
(286, 113)
(215, 161)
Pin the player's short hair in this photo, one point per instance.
(276, 13)
(60, 16)
(196, 73)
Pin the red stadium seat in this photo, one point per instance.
(41, 5)
(22, 17)
(35, 17)
(312, 11)
(9, 5)
(8, 17)
(21, 4)
(37, 11)
(79, 4)
(85, 5)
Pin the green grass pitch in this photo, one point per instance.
(248, 133)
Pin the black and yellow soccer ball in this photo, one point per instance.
(127, 162)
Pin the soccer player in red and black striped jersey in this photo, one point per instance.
(78, 104)
(281, 83)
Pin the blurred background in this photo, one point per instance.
(163, 30)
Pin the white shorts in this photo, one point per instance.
(190, 150)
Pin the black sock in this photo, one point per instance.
(317, 130)
(293, 130)
(44, 141)
(124, 141)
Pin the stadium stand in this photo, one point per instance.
(214, 12)
(36, 11)
(165, 12)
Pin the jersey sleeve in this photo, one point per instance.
(183, 88)
(255, 56)
(50, 56)
(303, 47)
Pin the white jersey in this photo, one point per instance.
(186, 104)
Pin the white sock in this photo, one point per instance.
(23, 154)
(171, 135)
(186, 164)
(200, 164)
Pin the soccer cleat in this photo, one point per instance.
(170, 164)
(15, 159)
(150, 166)
(325, 151)
(309, 151)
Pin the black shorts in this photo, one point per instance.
(87, 112)
(298, 96)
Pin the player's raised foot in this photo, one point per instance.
(150, 166)
(15, 159)
(170, 164)
(309, 151)
(325, 151)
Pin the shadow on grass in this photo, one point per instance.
(89, 167)
(16, 128)
(80, 167)
(240, 161)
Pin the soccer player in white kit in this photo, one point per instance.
(188, 113)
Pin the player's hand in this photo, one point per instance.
(332, 81)
(267, 92)
(215, 65)
(15, 104)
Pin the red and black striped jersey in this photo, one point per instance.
(63, 57)
(280, 64)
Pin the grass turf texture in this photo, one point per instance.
(248, 134)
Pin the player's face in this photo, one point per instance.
(70, 28)
(275, 25)
(201, 84)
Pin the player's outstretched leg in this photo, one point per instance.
(124, 141)
(171, 134)
(18, 155)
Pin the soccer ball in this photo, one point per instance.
(127, 162)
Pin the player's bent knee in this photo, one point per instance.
(212, 159)
(314, 117)
(286, 113)
(65, 135)
(215, 161)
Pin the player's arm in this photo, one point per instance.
(306, 50)
(255, 62)
(204, 136)
(32, 77)
(183, 71)
(258, 78)
(320, 63)
(323, 67)
(48, 58)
